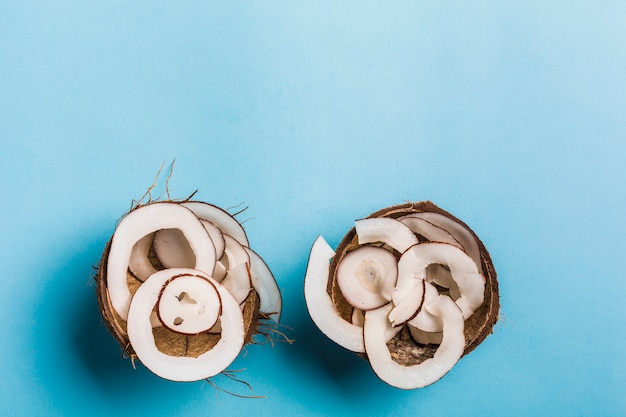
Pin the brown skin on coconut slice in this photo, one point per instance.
(480, 324)
(183, 368)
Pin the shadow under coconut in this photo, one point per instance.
(314, 354)
(75, 352)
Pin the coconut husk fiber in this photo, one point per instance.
(402, 347)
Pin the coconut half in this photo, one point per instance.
(444, 301)
(159, 298)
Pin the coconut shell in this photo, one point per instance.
(402, 348)
(167, 341)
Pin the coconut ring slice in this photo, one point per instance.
(431, 370)
(183, 368)
(144, 221)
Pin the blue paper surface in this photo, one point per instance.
(510, 115)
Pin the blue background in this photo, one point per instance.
(511, 115)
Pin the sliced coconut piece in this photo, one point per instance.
(183, 368)
(385, 230)
(265, 286)
(220, 218)
(320, 305)
(428, 230)
(238, 282)
(413, 263)
(141, 222)
(425, 338)
(139, 264)
(366, 277)
(440, 275)
(172, 249)
(431, 370)
(189, 304)
(409, 306)
(216, 236)
(424, 320)
(460, 233)
(235, 253)
(357, 317)
(220, 271)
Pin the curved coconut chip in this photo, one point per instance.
(418, 375)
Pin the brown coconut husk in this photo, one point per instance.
(167, 341)
(402, 347)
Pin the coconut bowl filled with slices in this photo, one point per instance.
(181, 290)
(411, 288)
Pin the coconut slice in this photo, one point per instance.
(237, 282)
(423, 320)
(183, 368)
(413, 263)
(220, 218)
(265, 286)
(172, 249)
(458, 231)
(320, 305)
(428, 230)
(220, 271)
(234, 253)
(431, 370)
(141, 222)
(440, 275)
(388, 231)
(367, 276)
(139, 264)
(189, 304)
(216, 236)
(409, 306)
(425, 338)
(357, 317)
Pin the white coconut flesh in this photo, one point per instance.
(183, 368)
(234, 253)
(238, 282)
(367, 276)
(216, 236)
(409, 306)
(265, 285)
(385, 230)
(220, 218)
(460, 233)
(220, 271)
(431, 370)
(173, 250)
(320, 305)
(424, 337)
(423, 320)
(138, 224)
(428, 230)
(139, 264)
(440, 275)
(189, 304)
(413, 263)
